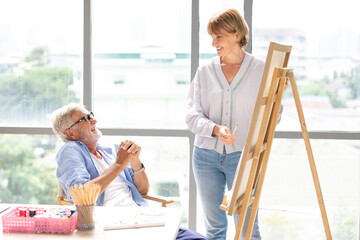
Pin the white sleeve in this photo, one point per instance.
(196, 120)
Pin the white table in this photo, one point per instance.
(171, 217)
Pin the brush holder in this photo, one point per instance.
(85, 220)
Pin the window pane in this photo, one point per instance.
(289, 207)
(40, 59)
(141, 63)
(325, 58)
(27, 169)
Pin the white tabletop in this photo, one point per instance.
(105, 215)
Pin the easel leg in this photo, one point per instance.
(311, 157)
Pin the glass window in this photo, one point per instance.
(141, 62)
(325, 58)
(289, 207)
(27, 169)
(40, 59)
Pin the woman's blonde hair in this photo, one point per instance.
(230, 21)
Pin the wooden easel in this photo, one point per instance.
(252, 167)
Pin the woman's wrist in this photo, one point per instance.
(216, 130)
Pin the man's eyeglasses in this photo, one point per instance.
(86, 117)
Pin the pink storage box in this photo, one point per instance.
(16, 221)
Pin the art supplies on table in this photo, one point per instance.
(125, 225)
(39, 220)
(142, 217)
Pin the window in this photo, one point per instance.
(325, 58)
(40, 59)
(289, 207)
(27, 172)
(141, 63)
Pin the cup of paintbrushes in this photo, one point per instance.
(85, 220)
(84, 197)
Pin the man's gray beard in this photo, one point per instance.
(99, 133)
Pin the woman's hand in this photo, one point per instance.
(224, 134)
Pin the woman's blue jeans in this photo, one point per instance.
(213, 171)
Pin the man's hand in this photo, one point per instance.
(127, 151)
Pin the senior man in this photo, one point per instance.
(116, 168)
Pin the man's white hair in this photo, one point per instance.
(61, 119)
